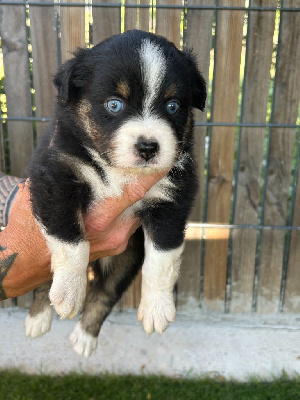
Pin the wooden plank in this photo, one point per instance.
(168, 22)
(106, 22)
(201, 43)
(292, 287)
(220, 179)
(72, 29)
(2, 161)
(6, 303)
(132, 297)
(45, 63)
(131, 16)
(144, 16)
(2, 146)
(137, 18)
(285, 109)
(257, 77)
(17, 86)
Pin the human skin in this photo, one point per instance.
(24, 255)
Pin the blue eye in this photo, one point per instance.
(114, 106)
(172, 107)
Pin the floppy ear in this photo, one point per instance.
(72, 77)
(198, 84)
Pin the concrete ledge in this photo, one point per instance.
(221, 346)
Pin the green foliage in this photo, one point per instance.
(17, 386)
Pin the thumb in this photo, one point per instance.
(136, 190)
(107, 211)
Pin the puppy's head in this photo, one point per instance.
(132, 97)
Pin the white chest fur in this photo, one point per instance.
(115, 181)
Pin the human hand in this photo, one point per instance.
(24, 255)
(108, 229)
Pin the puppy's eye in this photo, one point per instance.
(114, 105)
(172, 107)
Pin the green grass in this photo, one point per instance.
(17, 386)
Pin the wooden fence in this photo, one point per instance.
(243, 248)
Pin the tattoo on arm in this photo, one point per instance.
(9, 186)
(8, 189)
(5, 265)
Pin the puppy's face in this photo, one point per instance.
(132, 96)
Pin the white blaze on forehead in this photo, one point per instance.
(154, 67)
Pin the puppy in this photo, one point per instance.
(124, 109)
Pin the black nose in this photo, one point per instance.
(147, 149)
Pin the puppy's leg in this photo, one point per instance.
(69, 263)
(160, 272)
(111, 280)
(59, 201)
(39, 319)
(164, 226)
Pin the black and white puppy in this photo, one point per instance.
(124, 109)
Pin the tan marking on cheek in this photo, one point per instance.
(123, 89)
(171, 92)
(85, 121)
(188, 127)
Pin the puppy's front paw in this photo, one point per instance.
(83, 343)
(39, 324)
(156, 310)
(67, 292)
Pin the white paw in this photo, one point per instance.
(67, 292)
(156, 310)
(39, 324)
(83, 343)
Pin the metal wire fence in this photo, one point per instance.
(248, 151)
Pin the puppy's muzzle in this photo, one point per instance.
(147, 148)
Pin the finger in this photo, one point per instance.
(136, 190)
(102, 215)
(117, 240)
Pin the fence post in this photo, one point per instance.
(200, 41)
(45, 60)
(106, 22)
(220, 173)
(254, 109)
(17, 86)
(282, 140)
(137, 18)
(168, 22)
(72, 23)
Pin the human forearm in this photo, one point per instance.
(24, 256)
(15, 278)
